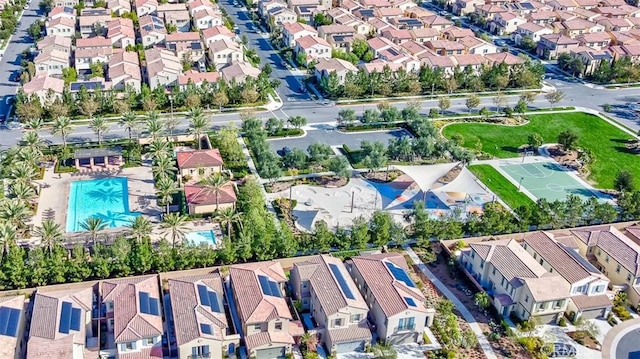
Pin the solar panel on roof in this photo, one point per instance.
(4, 318)
(206, 329)
(341, 281)
(154, 306)
(215, 304)
(144, 302)
(203, 293)
(75, 319)
(400, 275)
(275, 290)
(269, 287)
(65, 318)
(410, 302)
(12, 325)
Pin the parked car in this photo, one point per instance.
(284, 151)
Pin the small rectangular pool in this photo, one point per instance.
(201, 237)
(107, 199)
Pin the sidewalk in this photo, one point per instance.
(482, 340)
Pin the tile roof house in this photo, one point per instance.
(51, 61)
(293, 31)
(313, 48)
(146, 7)
(215, 33)
(91, 51)
(202, 200)
(199, 164)
(239, 72)
(121, 33)
(268, 328)
(530, 29)
(61, 11)
(378, 44)
(47, 88)
(595, 40)
(324, 67)
(225, 52)
(464, 7)
(186, 44)
(503, 58)
(57, 42)
(89, 20)
(200, 5)
(207, 18)
(124, 71)
(446, 47)
(505, 23)
(425, 34)
(134, 315)
(152, 30)
(197, 78)
(62, 26)
(396, 305)
(472, 61)
(397, 36)
(12, 326)
(119, 7)
(176, 15)
(328, 30)
(615, 254)
(162, 69)
(552, 45)
(61, 325)
(516, 281)
(474, 45)
(326, 289)
(576, 27)
(281, 15)
(591, 58)
(587, 284)
(200, 322)
(434, 62)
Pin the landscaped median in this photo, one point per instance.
(501, 186)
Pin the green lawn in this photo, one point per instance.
(606, 142)
(501, 186)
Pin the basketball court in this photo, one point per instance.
(547, 180)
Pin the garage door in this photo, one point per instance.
(350, 346)
(271, 353)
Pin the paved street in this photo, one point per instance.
(10, 62)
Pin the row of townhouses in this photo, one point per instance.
(245, 309)
(546, 275)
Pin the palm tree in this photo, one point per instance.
(30, 156)
(198, 123)
(154, 125)
(128, 121)
(166, 187)
(62, 127)
(163, 166)
(8, 235)
(214, 184)
(174, 224)
(50, 234)
(32, 141)
(14, 211)
(22, 191)
(35, 124)
(158, 148)
(93, 225)
(140, 228)
(99, 126)
(227, 217)
(22, 171)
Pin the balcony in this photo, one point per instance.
(406, 328)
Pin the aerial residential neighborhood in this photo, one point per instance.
(317, 179)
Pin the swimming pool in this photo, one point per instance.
(107, 199)
(201, 237)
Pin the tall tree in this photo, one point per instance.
(554, 97)
(214, 184)
(128, 120)
(94, 226)
(99, 126)
(140, 228)
(472, 102)
(198, 124)
(153, 125)
(61, 126)
(174, 225)
(227, 217)
(50, 234)
(444, 103)
(165, 188)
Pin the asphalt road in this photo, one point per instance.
(296, 102)
(10, 62)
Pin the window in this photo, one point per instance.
(130, 345)
(305, 284)
(407, 324)
(526, 299)
(535, 256)
(279, 326)
(482, 264)
(607, 258)
(618, 268)
(200, 352)
(629, 277)
(558, 303)
(257, 327)
(148, 341)
(355, 318)
(493, 271)
(541, 306)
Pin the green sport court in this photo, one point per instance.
(547, 180)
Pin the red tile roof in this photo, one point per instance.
(199, 159)
(201, 195)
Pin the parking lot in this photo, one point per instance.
(331, 137)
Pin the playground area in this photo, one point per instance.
(541, 177)
(338, 207)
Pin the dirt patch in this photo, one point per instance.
(584, 338)
(324, 181)
(566, 158)
(451, 175)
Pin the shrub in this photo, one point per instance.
(621, 312)
(562, 322)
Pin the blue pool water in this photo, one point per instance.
(201, 237)
(107, 199)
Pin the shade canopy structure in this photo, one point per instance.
(85, 153)
(465, 183)
(426, 176)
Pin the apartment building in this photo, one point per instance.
(518, 284)
(587, 284)
(396, 306)
(201, 326)
(268, 327)
(325, 288)
(61, 325)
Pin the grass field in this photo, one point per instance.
(606, 142)
(501, 186)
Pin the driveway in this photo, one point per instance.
(328, 135)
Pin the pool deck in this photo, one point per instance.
(54, 196)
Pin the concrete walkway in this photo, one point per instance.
(482, 340)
